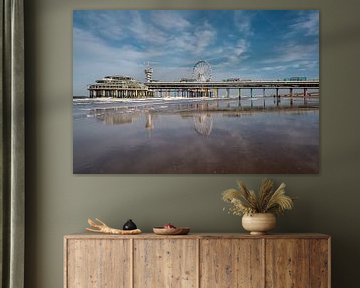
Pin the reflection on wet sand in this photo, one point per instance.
(203, 124)
(202, 113)
(113, 116)
(256, 135)
(149, 121)
(130, 113)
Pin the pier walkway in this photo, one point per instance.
(211, 88)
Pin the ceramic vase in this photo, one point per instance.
(259, 223)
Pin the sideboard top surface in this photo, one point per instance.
(87, 235)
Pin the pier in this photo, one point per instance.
(212, 88)
(201, 89)
(200, 85)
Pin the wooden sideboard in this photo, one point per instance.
(197, 260)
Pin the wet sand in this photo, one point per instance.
(251, 136)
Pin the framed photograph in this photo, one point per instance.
(195, 91)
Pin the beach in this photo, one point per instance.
(196, 135)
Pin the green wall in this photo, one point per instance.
(59, 202)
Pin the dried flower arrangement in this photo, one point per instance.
(267, 200)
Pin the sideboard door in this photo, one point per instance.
(287, 263)
(231, 263)
(320, 263)
(168, 263)
(297, 263)
(100, 263)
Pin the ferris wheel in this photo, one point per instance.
(202, 71)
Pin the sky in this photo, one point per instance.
(246, 44)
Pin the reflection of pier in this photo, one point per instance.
(203, 124)
(211, 88)
(149, 121)
(121, 115)
(204, 113)
(113, 116)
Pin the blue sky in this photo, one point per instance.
(247, 44)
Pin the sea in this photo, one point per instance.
(251, 135)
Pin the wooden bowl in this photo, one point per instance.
(171, 231)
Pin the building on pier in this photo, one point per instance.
(118, 86)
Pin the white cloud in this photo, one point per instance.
(169, 20)
(93, 49)
(274, 68)
(203, 37)
(146, 31)
(234, 54)
(108, 24)
(196, 41)
(94, 58)
(306, 65)
(293, 52)
(240, 48)
(242, 21)
(307, 23)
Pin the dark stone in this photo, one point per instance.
(129, 225)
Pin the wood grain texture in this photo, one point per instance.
(165, 263)
(231, 263)
(287, 263)
(98, 264)
(197, 260)
(319, 263)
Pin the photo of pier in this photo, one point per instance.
(196, 92)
